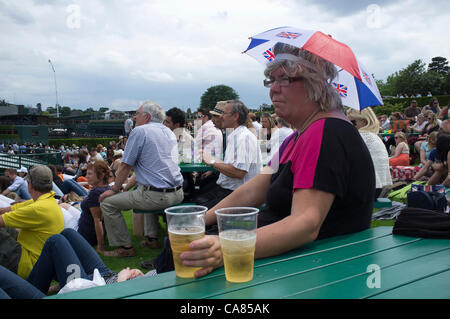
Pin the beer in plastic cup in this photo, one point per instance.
(237, 234)
(184, 224)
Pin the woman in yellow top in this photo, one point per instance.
(37, 218)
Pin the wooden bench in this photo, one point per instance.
(382, 202)
(159, 211)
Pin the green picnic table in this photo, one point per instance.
(372, 264)
(393, 134)
(191, 167)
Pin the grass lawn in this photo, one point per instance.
(143, 253)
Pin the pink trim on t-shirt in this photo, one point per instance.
(305, 154)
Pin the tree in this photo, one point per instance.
(432, 82)
(215, 94)
(439, 65)
(51, 109)
(65, 111)
(39, 107)
(410, 79)
(446, 84)
(103, 109)
(386, 89)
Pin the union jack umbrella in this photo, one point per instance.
(354, 83)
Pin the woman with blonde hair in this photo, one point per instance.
(268, 127)
(368, 126)
(401, 155)
(427, 169)
(432, 125)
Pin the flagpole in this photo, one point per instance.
(56, 90)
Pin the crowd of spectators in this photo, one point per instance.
(411, 139)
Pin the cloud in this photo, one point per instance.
(120, 52)
(16, 14)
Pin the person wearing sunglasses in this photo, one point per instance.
(401, 154)
(432, 125)
(432, 106)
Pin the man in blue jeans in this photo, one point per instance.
(15, 287)
(65, 256)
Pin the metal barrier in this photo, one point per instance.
(28, 160)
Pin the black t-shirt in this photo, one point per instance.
(331, 156)
(86, 222)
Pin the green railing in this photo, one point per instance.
(28, 160)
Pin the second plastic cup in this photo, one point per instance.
(184, 224)
(237, 234)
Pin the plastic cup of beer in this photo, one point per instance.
(237, 234)
(184, 224)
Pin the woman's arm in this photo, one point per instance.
(98, 217)
(423, 170)
(398, 149)
(309, 209)
(447, 178)
(423, 158)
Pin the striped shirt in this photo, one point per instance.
(243, 153)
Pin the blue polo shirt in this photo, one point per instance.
(152, 151)
(20, 187)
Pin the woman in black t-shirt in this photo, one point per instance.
(321, 183)
(90, 224)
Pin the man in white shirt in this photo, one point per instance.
(175, 119)
(278, 137)
(242, 160)
(207, 138)
(95, 156)
(255, 123)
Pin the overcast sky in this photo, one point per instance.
(118, 53)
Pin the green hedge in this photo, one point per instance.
(89, 142)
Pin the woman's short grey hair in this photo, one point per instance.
(316, 72)
(155, 110)
(241, 109)
(41, 178)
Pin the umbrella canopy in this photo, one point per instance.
(354, 84)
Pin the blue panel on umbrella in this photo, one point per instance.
(255, 42)
(366, 97)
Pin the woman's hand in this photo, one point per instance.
(206, 253)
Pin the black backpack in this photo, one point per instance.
(419, 222)
(427, 200)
